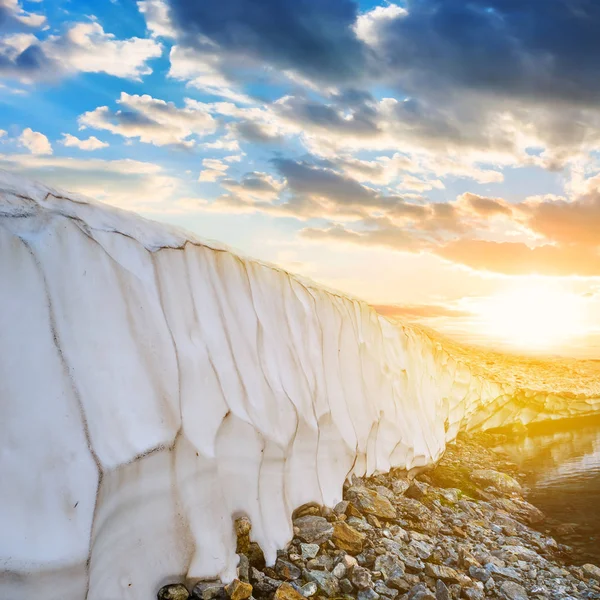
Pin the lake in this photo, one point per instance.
(563, 476)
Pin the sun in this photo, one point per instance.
(533, 315)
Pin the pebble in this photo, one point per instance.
(173, 591)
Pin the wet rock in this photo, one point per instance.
(446, 574)
(361, 578)
(513, 591)
(591, 571)
(208, 590)
(325, 581)
(372, 502)
(173, 591)
(309, 550)
(287, 592)
(347, 538)
(441, 591)
(313, 529)
(238, 590)
(287, 570)
(501, 481)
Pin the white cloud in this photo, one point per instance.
(152, 120)
(16, 12)
(2, 133)
(156, 13)
(92, 143)
(368, 24)
(35, 142)
(87, 48)
(214, 169)
(128, 183)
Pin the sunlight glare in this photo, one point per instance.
(533, 314)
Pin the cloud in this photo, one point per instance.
(12, 13)
(152, 120)
(158, 21)
(35, 142)
(84, 47)
(2, 133)
(127, 183)
(213, 171)
(312, 38)
(254, 186)
(483, 206)
(92, 143)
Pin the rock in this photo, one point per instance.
(309, 550)
(446, 574)
(441, 591)
(368, 594)
(341, 507)
(208, 590)
(389, 566)
(238, 590)
(420, 592)
(473, 593)
(173, 591)
(309, 589)
(321, 563)
(399, 583)
(347, 538)
(591, 571)
(308, 509)
(243, 568)
(326, 582)
(349, 562)
(287, 592)
(503, 572)
(384, 590)
(339, 570)
(416, 490)
(513, 591)
(371, 502)
(255, 556)
(501, 481)
(346, 586)
(313, 529)
(413, 564)
(287, 570)
(262, 583)
(361, 578)
(400, 486)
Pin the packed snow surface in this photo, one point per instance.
(155, 386)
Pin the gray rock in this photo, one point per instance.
(243, 568)
(361, 578)
(313, 530)
(309, 589)
(209, 590)
(384, 590)
(480, 574)
(323, 562)
(420, 592)
(441, 591)
(446, 574)
(513, 591)
(309, 550)
(473, 593)
(287, 570)
(591, 571)
(339, 570)
(368, 594)
(346, 586)
(503, 572)
(325, 581)
(173, 591)
(389, 566)
(341, 507)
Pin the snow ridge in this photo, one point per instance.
(156, 386)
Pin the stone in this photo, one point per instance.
(243, 568)
(309, 589)
(313, 529)
(339, 570)
(441, 591)
(420, 592)
(287, 592)
(349, 562)
(473, 593)
(346, 586)
(513, 591)
(384, 590)
(479, 573)
(325, 581)
(389, 566)
(591, 571)
(361, 578)
(173, 591)
(371, 502)
(347, 538)
(287, 570)
(208, 590)
(238, 590)
(446, 574)
(399, 583)
(321, 563)
(503, 572)
(262, 583)
(255, 556)
(367, 594)
(501, 481)
(400, 486)
(309, 550)
(308, 509)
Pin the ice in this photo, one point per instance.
(155, 386)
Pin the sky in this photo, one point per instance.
(438, 158)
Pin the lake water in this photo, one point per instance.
(563, 475)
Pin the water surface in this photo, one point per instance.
(563, 475)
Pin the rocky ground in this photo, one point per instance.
(461, 530)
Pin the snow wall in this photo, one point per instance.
(153, 387)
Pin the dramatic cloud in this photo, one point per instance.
(312, 38)
(152, 120)
(92, 143)
(85, 47)
(35, 142)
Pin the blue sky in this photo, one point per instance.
(417, 153)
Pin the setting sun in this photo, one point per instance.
(535, 315)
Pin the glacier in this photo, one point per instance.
(155, 386)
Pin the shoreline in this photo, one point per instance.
(461, 529)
